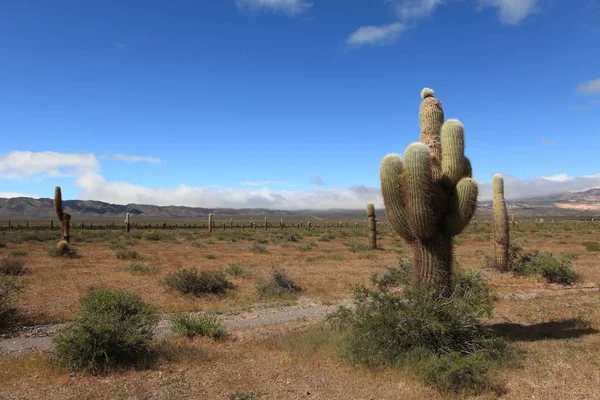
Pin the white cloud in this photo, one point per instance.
(511, 11)
(131, 159)
(589, 88)
(288, 7)
(376, 35)
(24, 164)
(94, 186)
(10, 195)
(408, 10)
(263, 183)
(515, 188)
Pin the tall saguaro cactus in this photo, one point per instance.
(210, 223)
(501, 231)
(64, 218)
(372, 224)
(430, 196)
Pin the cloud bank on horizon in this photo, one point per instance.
(85, 170)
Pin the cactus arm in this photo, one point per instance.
(417, 186)
(390, 173)
(431, 115)
(58, 203)
(462, 206)
(453, 152)
(467, 169)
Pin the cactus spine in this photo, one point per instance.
(372, 224)
(210, 222)
(501, 231)
(430, 196)
(64, 218)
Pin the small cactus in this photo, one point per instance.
(501, 231)
(372, 226)
(65, 221)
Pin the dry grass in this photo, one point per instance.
(554, 329)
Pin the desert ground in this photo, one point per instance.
(280, 347)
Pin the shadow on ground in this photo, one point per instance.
(564, 329)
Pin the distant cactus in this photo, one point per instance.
(230, 223)
(501, 231)
(308, 226)
(210, 222)
(266, 223)
(281, 224)
(65, 221)
(430, 196)
(372, 226)
(127, 223)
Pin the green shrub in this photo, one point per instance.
(237, 270)
(240, 395)
(111, 327)
(155, 236)
(394, 276)
(555, 269)
(591, 246)
(19, 253)
(12, 266)
(211, 257)
(139, 268)
(190, 281)
(126, 254)
(199, 325)
(356, 247)
(307, 246)
(259, 249)
(443, 340)
(277, 284)
(9, 288)
(70, 252)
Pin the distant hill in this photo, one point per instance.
(586, 203)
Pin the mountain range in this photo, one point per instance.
(586, 203)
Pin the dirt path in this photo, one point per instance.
(39, 338)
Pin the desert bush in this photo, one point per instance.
(19, 253)
(237, 270)
(442, 340)
(355, 247)
(126, 254)
(277, 284)
(139, 268)
(155, 236)
(259, 249)
(394, 276)
(241, 395)
(190, 281)
(326, 237)
(12, 266)
(2, 244)
(591, 246)
(69, 252)
(211, 257)
(555, 269)
(199, 325)
(370, 255)
(111, 327)
(304, 247)
(9, 288)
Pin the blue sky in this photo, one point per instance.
(289, 103)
